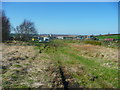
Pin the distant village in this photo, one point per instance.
(49, 37)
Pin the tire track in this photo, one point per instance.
(65, 83)
(67, 80)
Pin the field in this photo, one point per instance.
(59, 64)
(111, 36)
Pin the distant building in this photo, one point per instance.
(60, 37)
(80, 37)
(90, 37)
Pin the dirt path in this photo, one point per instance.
(26, 67)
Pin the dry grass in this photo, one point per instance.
(97, 51)
(25, 67)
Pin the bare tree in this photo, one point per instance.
(25, 30)
(5, 26)
(0, 26)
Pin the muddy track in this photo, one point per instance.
(67, 79)
(59, 74)
(63, 78)
(65, 83)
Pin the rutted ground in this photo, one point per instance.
(85, 69)
(59, 65)
(26, 67)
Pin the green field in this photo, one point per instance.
(112, 36)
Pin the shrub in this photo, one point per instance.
(93, 42)
(18, 66)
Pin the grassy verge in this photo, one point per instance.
(94, 75)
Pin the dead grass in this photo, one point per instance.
(25, 67)
(96, 51)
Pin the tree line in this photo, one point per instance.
(23, 31)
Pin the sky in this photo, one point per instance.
(65, 17)
(60, 0)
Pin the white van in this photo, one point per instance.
(44, 39)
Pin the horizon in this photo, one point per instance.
(80, 34)
(74, 18)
